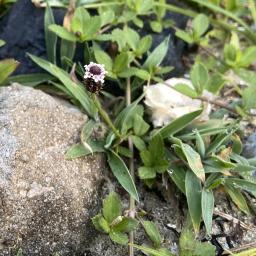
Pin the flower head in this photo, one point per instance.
(94, 77)
(95, 71)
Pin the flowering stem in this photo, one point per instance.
(105, 116)
(131, 168)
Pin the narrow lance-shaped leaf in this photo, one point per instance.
(178, 124)
(75, 89)
(193, 193)
(50, 37)
(237, 198)
(157, 56)
(122, 174)
(207, 209)
(194, 161)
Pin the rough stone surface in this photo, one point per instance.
(46, 201)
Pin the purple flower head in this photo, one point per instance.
(95, 72)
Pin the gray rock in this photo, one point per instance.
(46, 201)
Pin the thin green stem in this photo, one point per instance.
(97, 5)
(131, 167)
(105, 116)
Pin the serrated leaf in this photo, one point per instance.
(112, 207)
(118, 237)
(193, 194)
(122, 174)
(153, 233)
(100, 223)
(127, 224)
(151, 251)
(207, 209)
(146, 172)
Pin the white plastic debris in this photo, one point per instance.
(166, 104)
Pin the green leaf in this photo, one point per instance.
(178, 175)
(156, 26)
(119, 238)
(50, 37)
(140, 127)
(2, 42)
(189, 246)
(122, 174)
(67, 51)
(146, 173)
(127, 224)
(112, 207)
(153, 233)
(63, 32)
(144, 45)
(121, 62)
(30, 79)
(207, 209)
(186, 90)
(248, 57)
(93, 26)
(86, 133)
(79, 150)
(75, 89)
(100, 223)
(102, 57)
(230, 54)
(157, 56)
(242, 184)
(7, 67)
(184, 36)
(193, 194)
(200, 24)
(178, 124)
(237, 197)
(194, 160)
(132, 71)
(151, 251)
(138, 143)
(107, 16)
(199, 77)
(215, 83)
(248, 96)
(79, 22)
(200, 144)
(131, 37)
